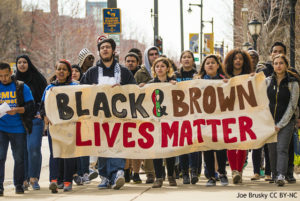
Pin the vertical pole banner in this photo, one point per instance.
(208, 43)
(194, 42)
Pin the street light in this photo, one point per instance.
(254, 28)
(246, 46)
(201, 25)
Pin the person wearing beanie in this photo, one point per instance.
(109, 71)
(85, 59)
(254, 59)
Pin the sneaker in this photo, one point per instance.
(255, 177)
(67, 186)
(211, 182)
(93, 174)
(19, 189)
(172, 181)
(236, 177)
(86, 179)
(136, 178)
(280, 180)
(186, 178)
(150, 179)
(127, 175)
(119, 180)
(25, 185)
(78, 180)
(158, 183)
(223, 179)
(194, 176)
(60, 185)
(53, 186)
(104, 183)
(35, 185)
(290, 179)
(268, 178)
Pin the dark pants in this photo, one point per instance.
(290, 171)
(83, 164)
(158, 166)
(66, 168)
(210, 162)
(17, 143)
(256, 159)
(53, 162)
(189, 160)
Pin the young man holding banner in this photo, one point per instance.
(109, 71)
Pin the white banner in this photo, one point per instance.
(159, 120)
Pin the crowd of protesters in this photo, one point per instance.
(23, 126)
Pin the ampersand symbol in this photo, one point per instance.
(157, 99)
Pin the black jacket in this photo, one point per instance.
(28, 115)
(280, 97)
(91, 76)
(182, 75)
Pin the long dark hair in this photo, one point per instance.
(228, 62)
(220, 70)
(33, 78)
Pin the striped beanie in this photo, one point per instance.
(83, 54)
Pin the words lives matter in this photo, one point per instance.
(176, 132)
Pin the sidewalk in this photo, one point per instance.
(249, 190)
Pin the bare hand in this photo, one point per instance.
(173, 82)
(13, 111)
(225, 80)
(115, 85)
(277, 128)
(298, 122)
(142, 84)
(38, 116)
(47, 121)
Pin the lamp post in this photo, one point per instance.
(254, 28)
(292, 32)
(246, 46)
(201, 25)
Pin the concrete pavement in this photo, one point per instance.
(249, 190)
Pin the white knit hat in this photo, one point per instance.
(83, 54)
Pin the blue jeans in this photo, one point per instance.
(53, 162)
(108, 167)
(17, 143)
(83, 164)
(33, 154)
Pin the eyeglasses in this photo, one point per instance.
(106, 46)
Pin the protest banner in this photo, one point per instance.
(160, 120)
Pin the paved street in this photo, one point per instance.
(142, 192)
